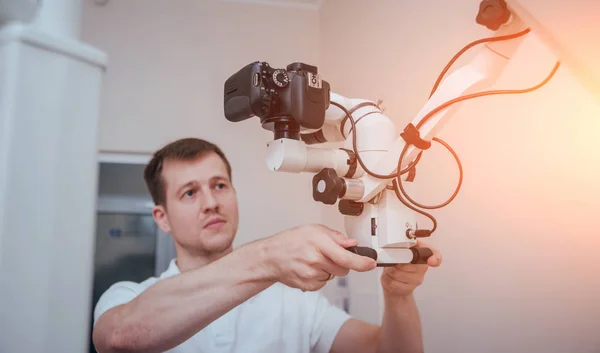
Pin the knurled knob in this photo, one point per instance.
(327, 186)
(493, 14)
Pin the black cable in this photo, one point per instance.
(440, 77)
(456, 191)
(397, 180)
(488, 93)
(405, 203)
(469, 46)
(426, 117)
(359, 159)
(442, 106)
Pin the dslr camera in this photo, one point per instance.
(286, 100)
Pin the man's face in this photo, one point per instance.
(201, 210)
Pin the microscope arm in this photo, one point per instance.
(481, 72)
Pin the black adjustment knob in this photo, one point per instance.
(420, 255)
(327, 186)
(493, 14)
(350, 208)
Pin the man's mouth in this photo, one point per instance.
(214, 223)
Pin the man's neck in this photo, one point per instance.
(186, 261)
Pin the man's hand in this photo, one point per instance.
(304, 257)
(401, 280)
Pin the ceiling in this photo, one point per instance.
(303, 4)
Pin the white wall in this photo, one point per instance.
(168, 63)
(520, 241)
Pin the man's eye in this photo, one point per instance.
(189, 193)
(221, 186)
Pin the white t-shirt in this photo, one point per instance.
(279, 319)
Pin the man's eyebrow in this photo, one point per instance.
(188, 184)
(219, 177)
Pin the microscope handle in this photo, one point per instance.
(420, 255)
(363, 251)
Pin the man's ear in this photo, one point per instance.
(160, 217)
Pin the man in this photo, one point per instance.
(261, 297)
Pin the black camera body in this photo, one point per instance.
(286, 100)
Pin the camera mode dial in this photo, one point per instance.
(280, 78)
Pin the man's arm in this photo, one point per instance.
(174, 309)
(356, 336)
(400, 329)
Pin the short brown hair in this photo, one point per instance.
(185, 149)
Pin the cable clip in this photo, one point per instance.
(379, 106)
(412, 137)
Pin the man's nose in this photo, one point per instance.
(209, 202)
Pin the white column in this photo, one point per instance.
(18, 10)
(49, 104)
(60, 18)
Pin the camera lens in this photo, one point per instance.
(287, 129)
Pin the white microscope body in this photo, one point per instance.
(375, 212)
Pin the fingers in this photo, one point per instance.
(331, 267)
(336, 251)
(410, 268)
(344, 258)
(306, 256)
(403, 276)
(309, 278)
(436, 259)
(400, 286)
(310, 286)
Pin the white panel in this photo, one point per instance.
(50, 97)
